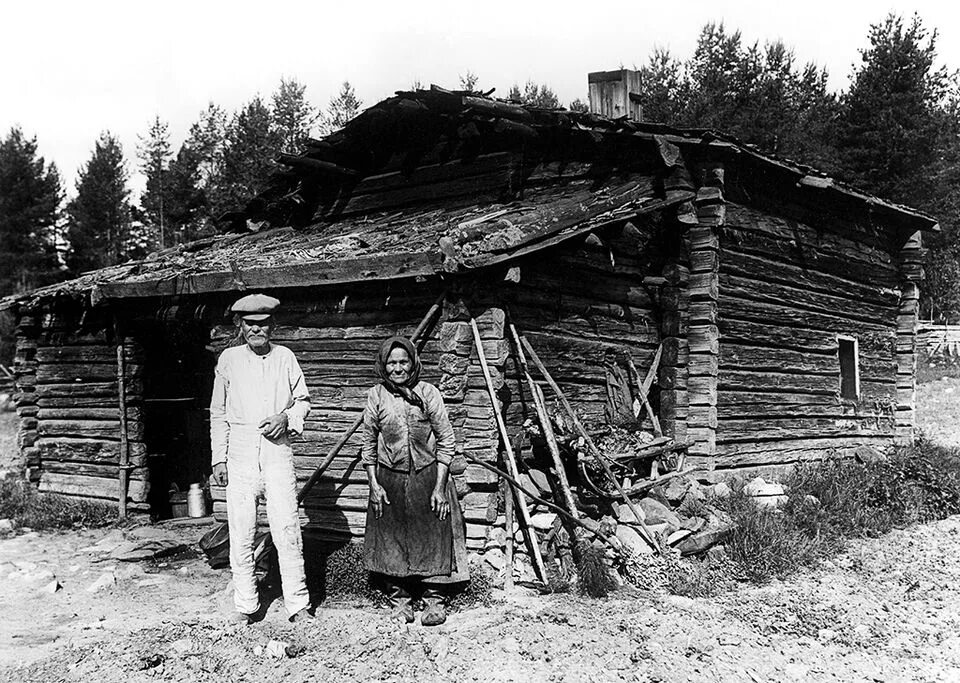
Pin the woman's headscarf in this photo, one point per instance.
(406, 389)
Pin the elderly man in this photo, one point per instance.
(259, 400)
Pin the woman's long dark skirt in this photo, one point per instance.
(409, 540)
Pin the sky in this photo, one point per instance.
(70, 69)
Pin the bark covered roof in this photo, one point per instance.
(434, 181)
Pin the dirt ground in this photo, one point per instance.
(886, 610)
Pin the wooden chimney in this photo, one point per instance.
(615, 93)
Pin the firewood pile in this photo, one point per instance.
(676, 511)
(589, 503)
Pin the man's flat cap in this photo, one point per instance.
(255, 306)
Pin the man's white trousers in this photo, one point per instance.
(254, 466)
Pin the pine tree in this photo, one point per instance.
(663, 87)
(898, 137)
(250, 145)
(99, 225)
(30, 197)
(207, 140)
(535, 95)
(468, 82)
(186, 207)
(758, 94)
(293, 116)
(890, 125)
(341, 109)
(154, 154)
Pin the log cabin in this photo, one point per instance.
(780, 304)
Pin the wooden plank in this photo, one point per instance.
(784, 270)
(760, 451)
(736, 357)
(100, 429)
(828, 384)
(134, 413)
(97, 353)
(788, 316)
(767, 428)
(88, 450)
(763, 291)
(778, 235)
(86, 469)
(54, 373)
(86, 389)
(759, 332)
(99, 487)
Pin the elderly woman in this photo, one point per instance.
(415, 533)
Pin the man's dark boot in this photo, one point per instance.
(435, 612)
(400, 601)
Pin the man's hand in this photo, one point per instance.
(274, 426)
(378, 498)
(220, 474)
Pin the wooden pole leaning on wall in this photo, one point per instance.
(123, 468)
(540, 405)
(591, 446)
(508, 541)
(530, 532)
(419, 338)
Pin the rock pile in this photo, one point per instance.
(680, 514)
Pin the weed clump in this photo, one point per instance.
(26, 507)
(594, 576)
(836, 499)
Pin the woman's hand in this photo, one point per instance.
(378, 498)
(439, 503)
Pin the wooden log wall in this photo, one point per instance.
(77, 441)
(786, 291)
(335, 336)
(585, 308)
(25, 398)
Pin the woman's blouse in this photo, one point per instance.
(396, 431)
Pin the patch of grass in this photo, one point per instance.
(768, 542)
(344, 573)
(933, 368)
(26, 507)
(477, 592)
(834, 500)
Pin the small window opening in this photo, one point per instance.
(849, 367)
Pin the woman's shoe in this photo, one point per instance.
(435, 612)
(400, 601)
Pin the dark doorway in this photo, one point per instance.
(178, 380)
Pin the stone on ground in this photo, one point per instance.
(656, 512)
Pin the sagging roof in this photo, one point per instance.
(433, 181)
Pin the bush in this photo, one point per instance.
(833, 500)
(26, 507)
